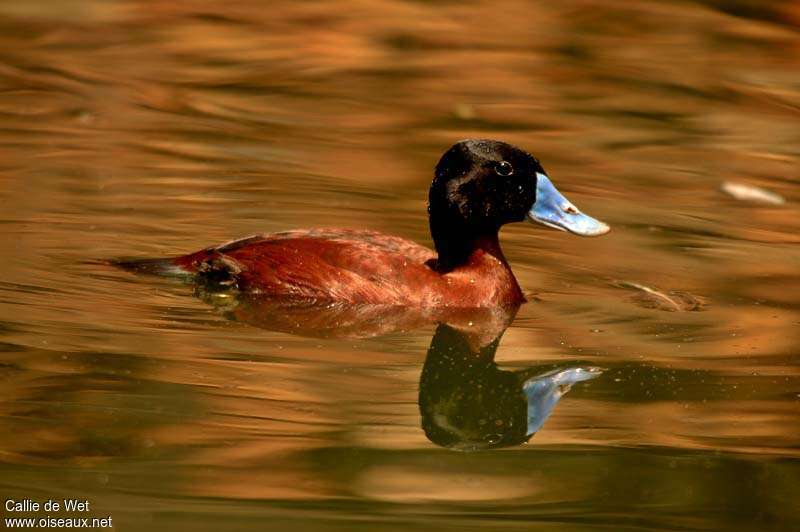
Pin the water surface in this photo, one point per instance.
(150, 128)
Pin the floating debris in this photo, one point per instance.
(744, 192)
(672, 301)
(465, 111)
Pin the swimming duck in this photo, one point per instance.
(478, 186)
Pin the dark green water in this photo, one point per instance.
(152, 128)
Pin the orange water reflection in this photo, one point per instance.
(149, 128)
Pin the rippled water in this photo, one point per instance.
(152, 128)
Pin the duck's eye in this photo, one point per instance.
(504, 168)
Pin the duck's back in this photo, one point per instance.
(328, 264)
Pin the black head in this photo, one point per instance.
(480, 185)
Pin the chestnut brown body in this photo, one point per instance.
(358, 267)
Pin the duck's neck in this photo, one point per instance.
(461, 245)
(454, 244)
(481, 256)
(455, 248)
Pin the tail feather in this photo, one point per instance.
(161, 266)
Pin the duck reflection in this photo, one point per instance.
(468, 403)
(315, 319)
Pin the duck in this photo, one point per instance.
(479, 185)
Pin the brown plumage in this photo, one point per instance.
(359, 267)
